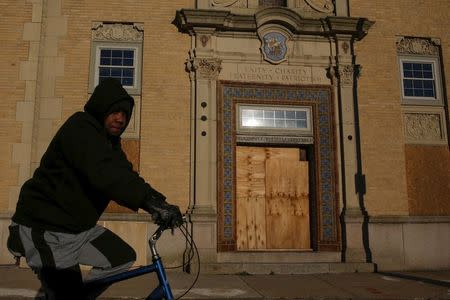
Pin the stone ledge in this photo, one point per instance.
(6, 215)
(144, 217)
(137, 217)
(408, 219)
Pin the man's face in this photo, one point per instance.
(115, 123)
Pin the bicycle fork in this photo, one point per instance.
(163, 290)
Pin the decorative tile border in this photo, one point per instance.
(320, 98)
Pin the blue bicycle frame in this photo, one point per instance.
(162, 291)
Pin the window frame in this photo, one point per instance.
(132, 67)
(419, 100)
(97, 46)
(308, 131)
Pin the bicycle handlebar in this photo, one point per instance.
(155, 236)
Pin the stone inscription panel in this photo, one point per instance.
(274, 74)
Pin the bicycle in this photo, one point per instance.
(163, 290)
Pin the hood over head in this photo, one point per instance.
(109, 96)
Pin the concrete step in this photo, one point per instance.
(284, 268)
(278, 257)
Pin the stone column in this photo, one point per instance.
(353, 217)
(204, 70)
(21, 151)
(344, 32)
(48, 107)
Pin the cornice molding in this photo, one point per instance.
(190, 20)
(355, 27)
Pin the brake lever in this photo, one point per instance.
(158, 232)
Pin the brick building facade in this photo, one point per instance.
(355, 163)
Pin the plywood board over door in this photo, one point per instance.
(250, 198)
(272, 199)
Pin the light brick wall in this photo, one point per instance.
(14, 53)
(14, 109)
(39, 95)
(165, 111)
(164, 153)
(164, 157)
(379, 93)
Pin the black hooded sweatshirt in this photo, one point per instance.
(82, 169)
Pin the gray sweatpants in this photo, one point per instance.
(98, 247)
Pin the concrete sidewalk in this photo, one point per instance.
(20, 283)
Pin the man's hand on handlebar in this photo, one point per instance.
(163, 213)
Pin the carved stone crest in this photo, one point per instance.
(273, 47)
(417, 46)
(117, 32)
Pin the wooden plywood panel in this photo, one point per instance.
(250, 198)
(272, 199)
(132, 151)
(428, 180)
(292, 154)
(287, 202)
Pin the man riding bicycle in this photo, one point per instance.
(55, 223)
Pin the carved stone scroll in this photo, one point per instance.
(117, 32)
(206, 68)
(314, 8)
(229, 3)
(417, 46)
(345, 74)
(325, 6)
(423, 127)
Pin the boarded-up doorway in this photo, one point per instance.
(272, 199)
